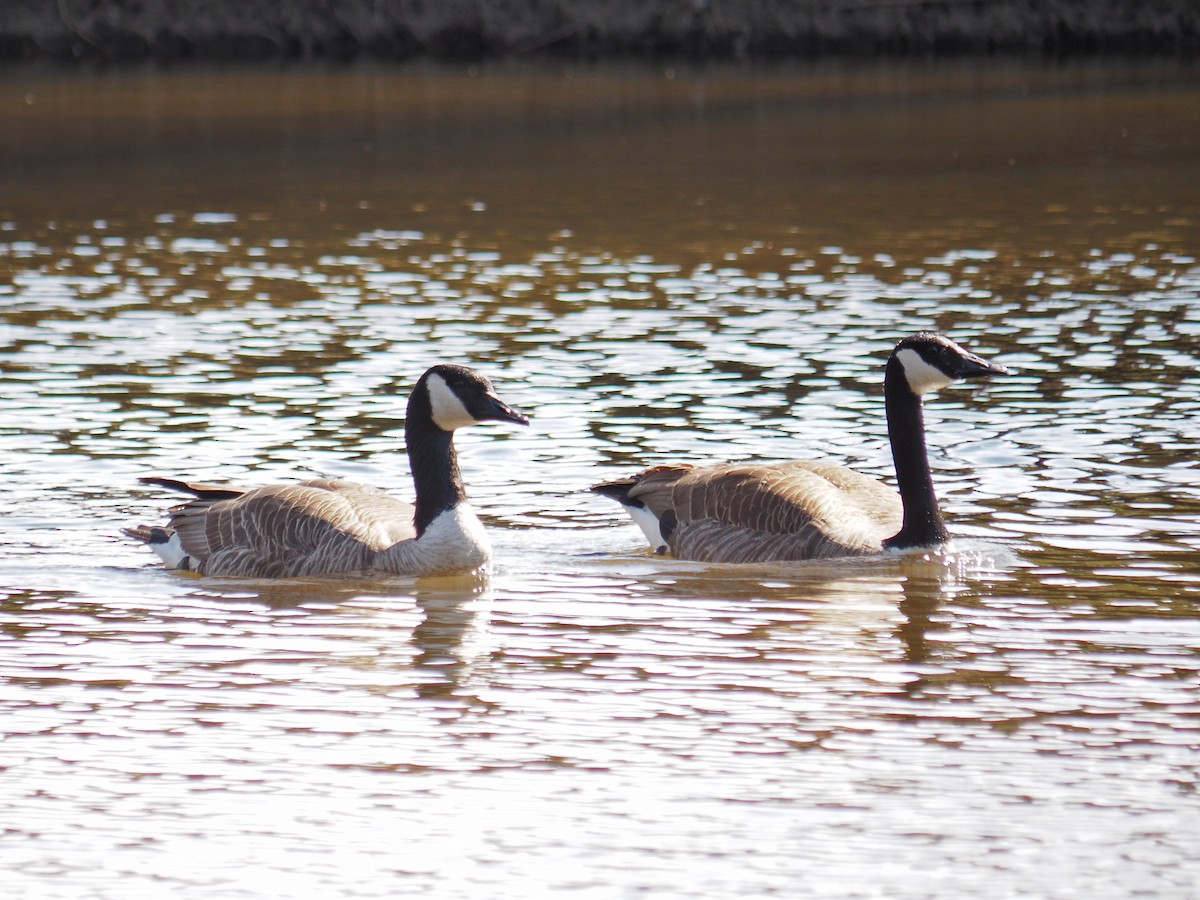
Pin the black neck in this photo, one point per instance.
(434, 465)
(923, 525)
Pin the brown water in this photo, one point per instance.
(238, 276)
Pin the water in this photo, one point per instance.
(237, 277)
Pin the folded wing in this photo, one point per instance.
(741, 512)
(315, 527)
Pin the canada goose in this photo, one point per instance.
(759, 512)
(326, 527)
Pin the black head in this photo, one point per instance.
(929, 361)
(457, 396)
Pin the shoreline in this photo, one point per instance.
(69, 32)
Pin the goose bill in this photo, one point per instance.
(500, 411)
(976, 367)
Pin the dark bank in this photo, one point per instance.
(173, 30)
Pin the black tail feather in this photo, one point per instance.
(149, 534)
(617, 490)
(203, 491)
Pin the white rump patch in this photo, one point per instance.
(920, 375)
(171, 553)
(648, 522)
(448, 411)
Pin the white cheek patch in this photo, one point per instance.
(448, 411)
(920, 375)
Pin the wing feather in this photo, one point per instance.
(316, 527)
(741, 512)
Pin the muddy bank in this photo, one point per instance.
(471, 29)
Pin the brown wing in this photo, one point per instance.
(758, 513)
(313, 528)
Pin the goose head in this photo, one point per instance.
(929, 361)
(451, 397)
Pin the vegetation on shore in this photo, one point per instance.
(171, 30)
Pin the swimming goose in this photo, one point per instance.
(760, 512)
(325, 527)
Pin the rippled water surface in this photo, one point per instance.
(237, 277)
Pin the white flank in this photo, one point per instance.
(920, 375)
(648, 522)
(448, 411)
(171, 553)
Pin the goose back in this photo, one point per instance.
(747, 512)
(280, 531)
